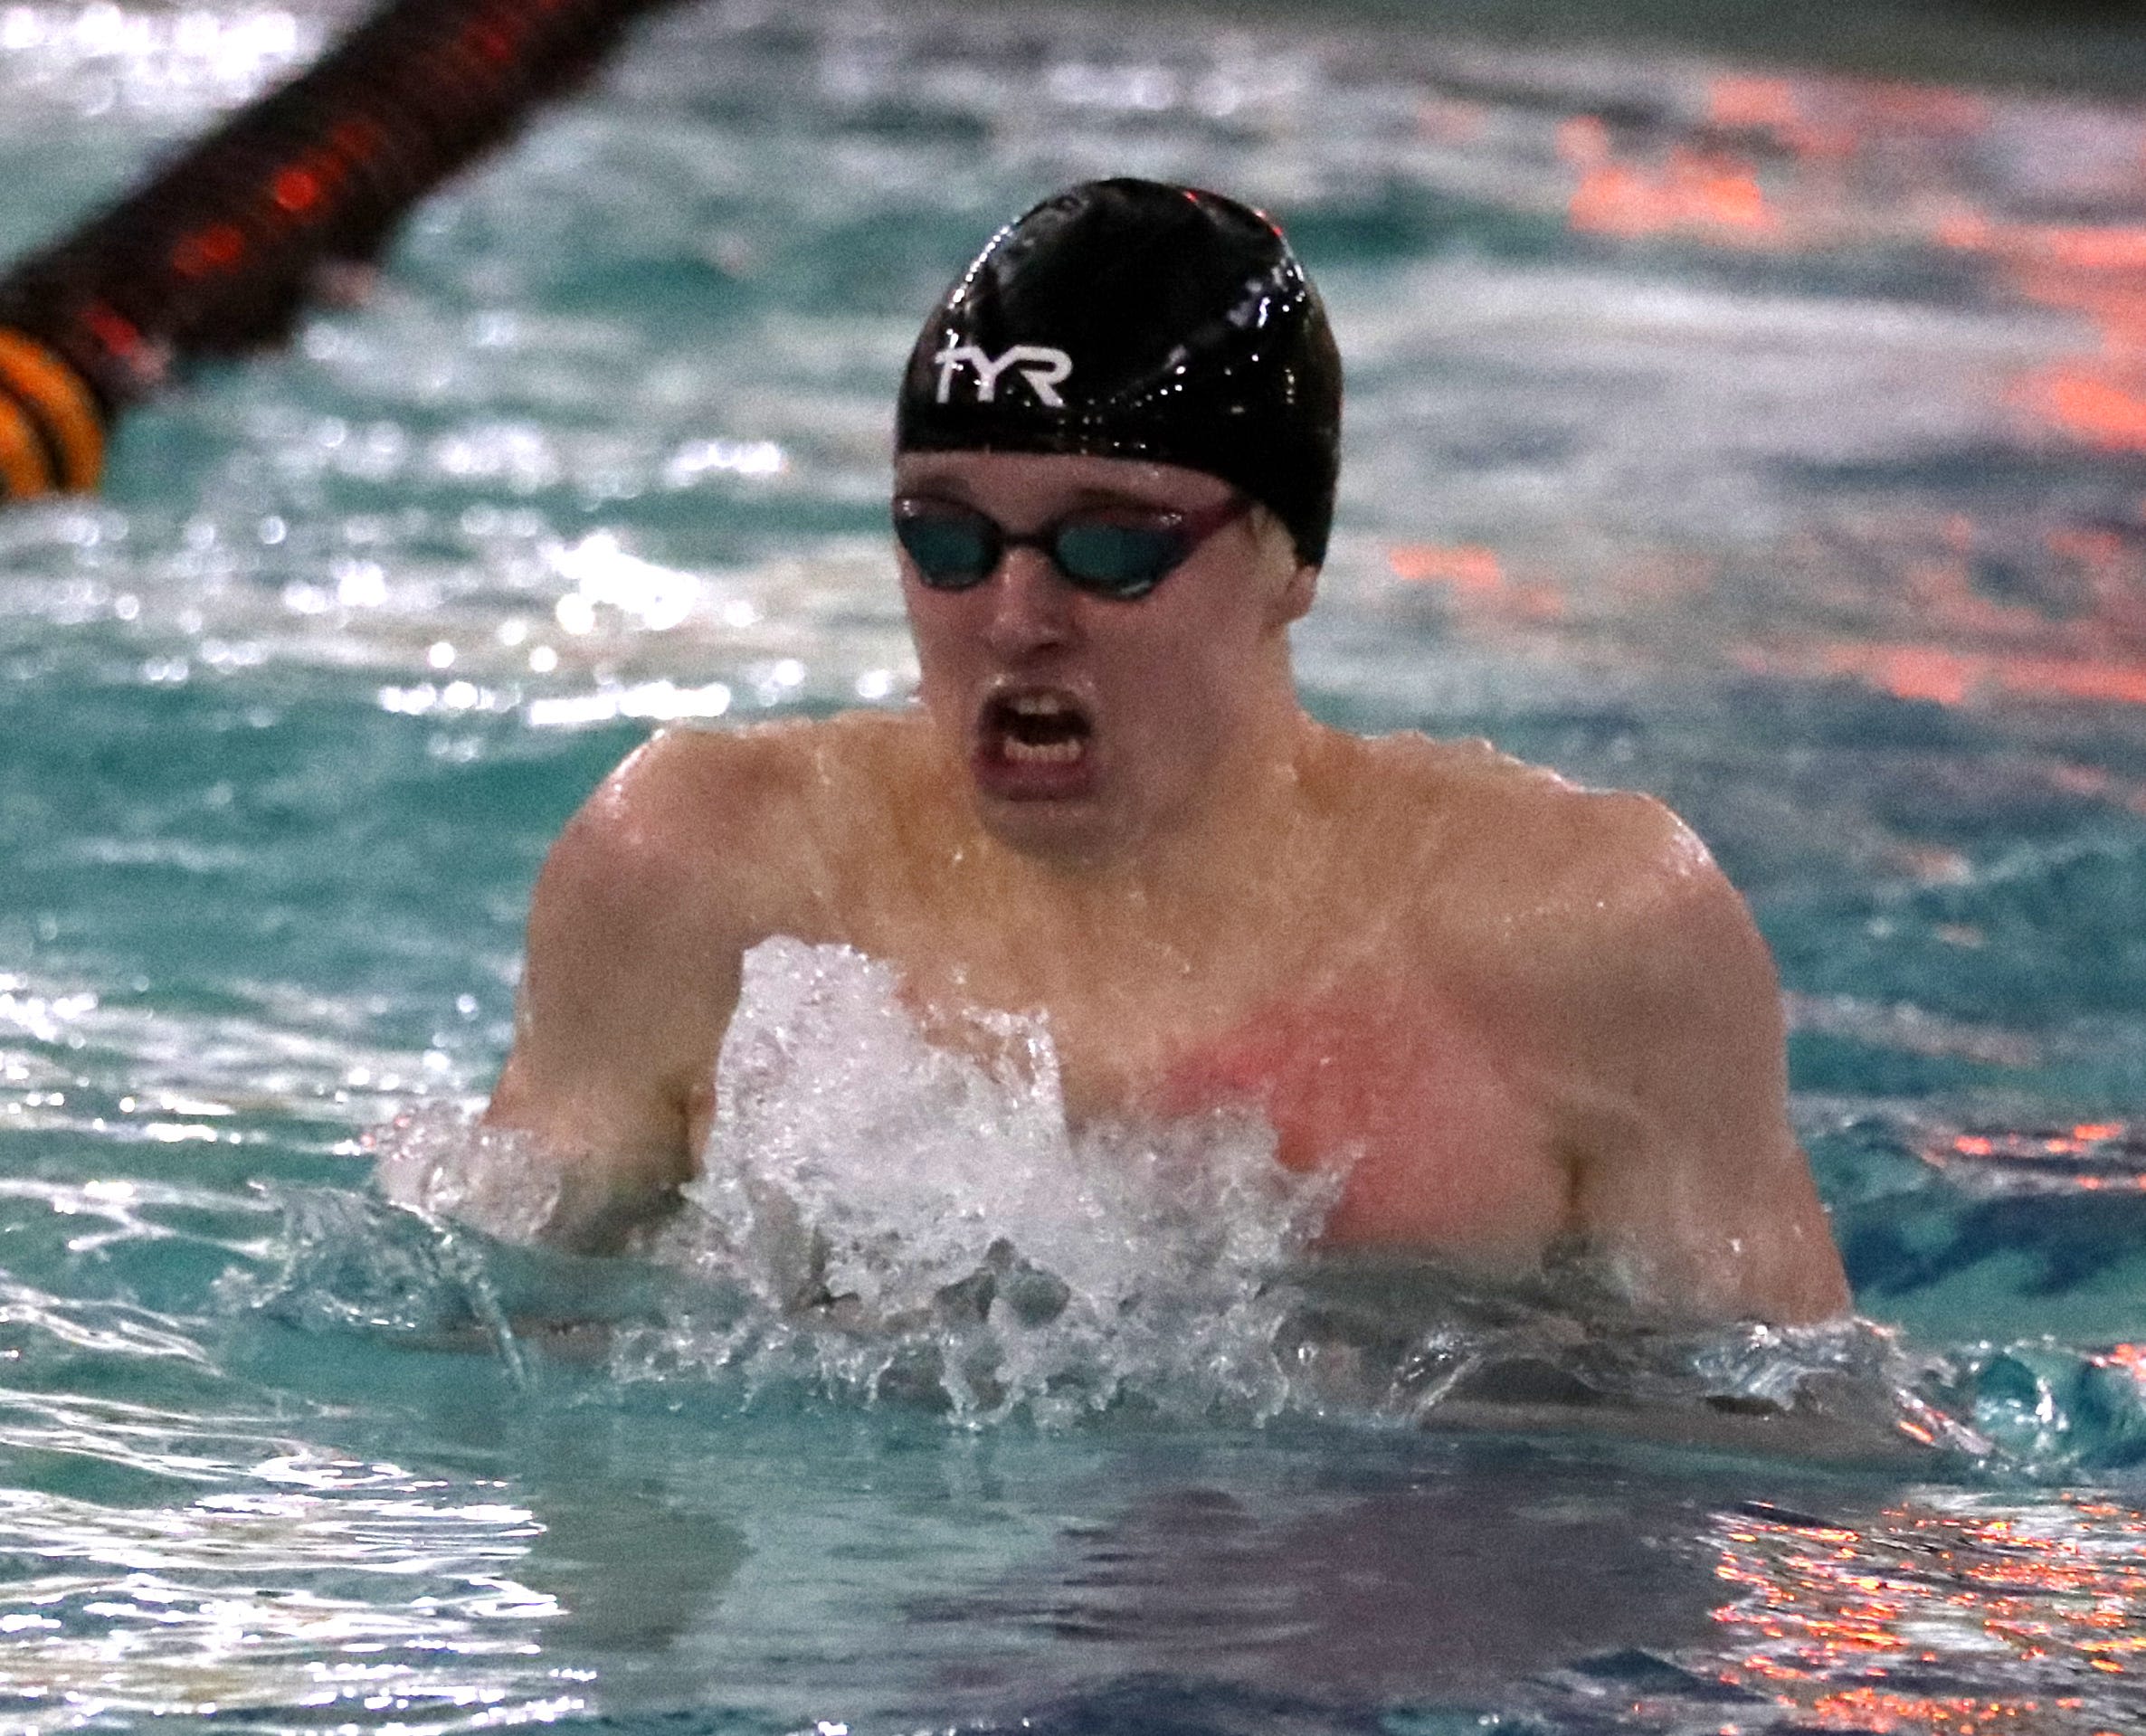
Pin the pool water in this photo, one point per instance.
(1771, 439)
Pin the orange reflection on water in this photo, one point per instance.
(2094, 409)
(1951, 678)
(2092, 1157)
(2098, 272)
(1697, 187)
(1757, 104)
(1814, 163)
(1467, 566)
(1847, 161)
(1811, 165)
(2086, 404)
(1843, 1624)
(1473, 573)
(1778, 162)
(2081, 1140)
(2082, 640)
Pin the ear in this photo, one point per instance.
(1294, 601)
(1293, 583)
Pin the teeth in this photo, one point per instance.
(1041, 752)
(1038, 705)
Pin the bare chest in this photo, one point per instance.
(1443, 1140)
(1297, 992)
(1440, 1141)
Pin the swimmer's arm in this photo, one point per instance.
(628, 983)
(1694, 1181)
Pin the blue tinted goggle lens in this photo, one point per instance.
(953, 550)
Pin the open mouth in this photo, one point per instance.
(1034, 742)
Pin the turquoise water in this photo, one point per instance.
(1774, 440)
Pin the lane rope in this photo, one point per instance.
(220, 251)
(52, 436)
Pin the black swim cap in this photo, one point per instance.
(1129, 319)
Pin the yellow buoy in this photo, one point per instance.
(51, 438)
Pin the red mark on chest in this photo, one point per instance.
(1441, 1151)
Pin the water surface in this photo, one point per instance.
(1774, 440)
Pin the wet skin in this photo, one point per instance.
(1518, 1015)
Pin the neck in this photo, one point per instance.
(1203, 867)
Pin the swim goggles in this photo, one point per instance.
(1107, 553)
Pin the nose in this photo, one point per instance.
(1031, 608)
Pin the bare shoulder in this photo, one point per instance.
(1551, 882)
(664, 795)
(681, 859)
(709, 825)
(1528, 841)
(685, 856)
(1633, 988)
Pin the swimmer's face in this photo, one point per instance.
(1087, 724)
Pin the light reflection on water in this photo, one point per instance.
(1857, 1626)
(183, 1557)
(222, 1605)
(1772, 441)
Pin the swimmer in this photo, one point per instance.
(1522, 1017)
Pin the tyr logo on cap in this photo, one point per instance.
(1045, 370)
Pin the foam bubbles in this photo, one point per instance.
(893, 1208)
(913, 1215)
(497, 1179)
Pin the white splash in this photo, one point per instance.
(437, 1162)
(895, 1209)
(914, 1214)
